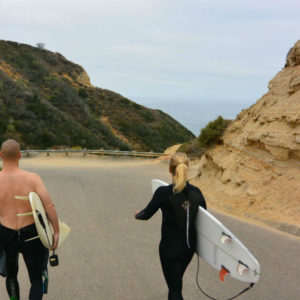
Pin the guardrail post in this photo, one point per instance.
(48, 154)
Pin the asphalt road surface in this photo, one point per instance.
(110, 255)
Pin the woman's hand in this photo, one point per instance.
(135, 215)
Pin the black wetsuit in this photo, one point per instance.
(175, 255)
(35, 256)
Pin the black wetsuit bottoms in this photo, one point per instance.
(35, 256)
(174, 261)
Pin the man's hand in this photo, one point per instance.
(55, 241)
(50, 210)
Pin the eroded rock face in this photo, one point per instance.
(257, 171)
(293, 57)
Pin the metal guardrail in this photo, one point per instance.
(116, 153)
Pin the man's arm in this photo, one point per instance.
(41, 190)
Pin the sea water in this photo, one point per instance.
(195, 114)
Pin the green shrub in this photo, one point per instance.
(192, 148)
(147, 115)
(213, 132)
(136, 106)
(82, 93)
(209, 136)
(123, 126)
(10, 128)
(3, 126)
(124, 102)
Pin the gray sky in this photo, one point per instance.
(193, 50)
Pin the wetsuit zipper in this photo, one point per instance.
(188, 224)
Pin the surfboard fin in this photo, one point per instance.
(22, 197)
(242, 269)
(223, 273)
(225, 238)
(26, 214)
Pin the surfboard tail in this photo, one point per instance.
(64, 231)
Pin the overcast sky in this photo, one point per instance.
(196, 50)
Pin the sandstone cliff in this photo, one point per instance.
(256, 172)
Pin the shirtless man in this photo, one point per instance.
(14, 230)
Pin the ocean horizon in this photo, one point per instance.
(195, 114)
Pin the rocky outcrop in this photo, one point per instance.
(293, 57)
(256, 172)
(84, 79)
(172, 149)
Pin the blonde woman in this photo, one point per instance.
(179, 203)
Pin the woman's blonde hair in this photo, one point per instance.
(179, 166)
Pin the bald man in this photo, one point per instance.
(14, 230)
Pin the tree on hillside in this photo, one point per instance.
(40, 46)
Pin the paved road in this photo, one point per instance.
(109, 255)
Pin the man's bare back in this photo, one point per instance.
(17, 182)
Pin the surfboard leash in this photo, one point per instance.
(53, 259)
(208, 296)
(43, 225)
(243, 291)
(197, 275)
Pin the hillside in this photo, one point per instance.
(47, 101)
(255, 173)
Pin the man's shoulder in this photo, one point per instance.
(17, 171)
(29, 175)
(25, 172)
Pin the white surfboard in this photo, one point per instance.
(221, 248)
(42, 224)
(156, 183)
